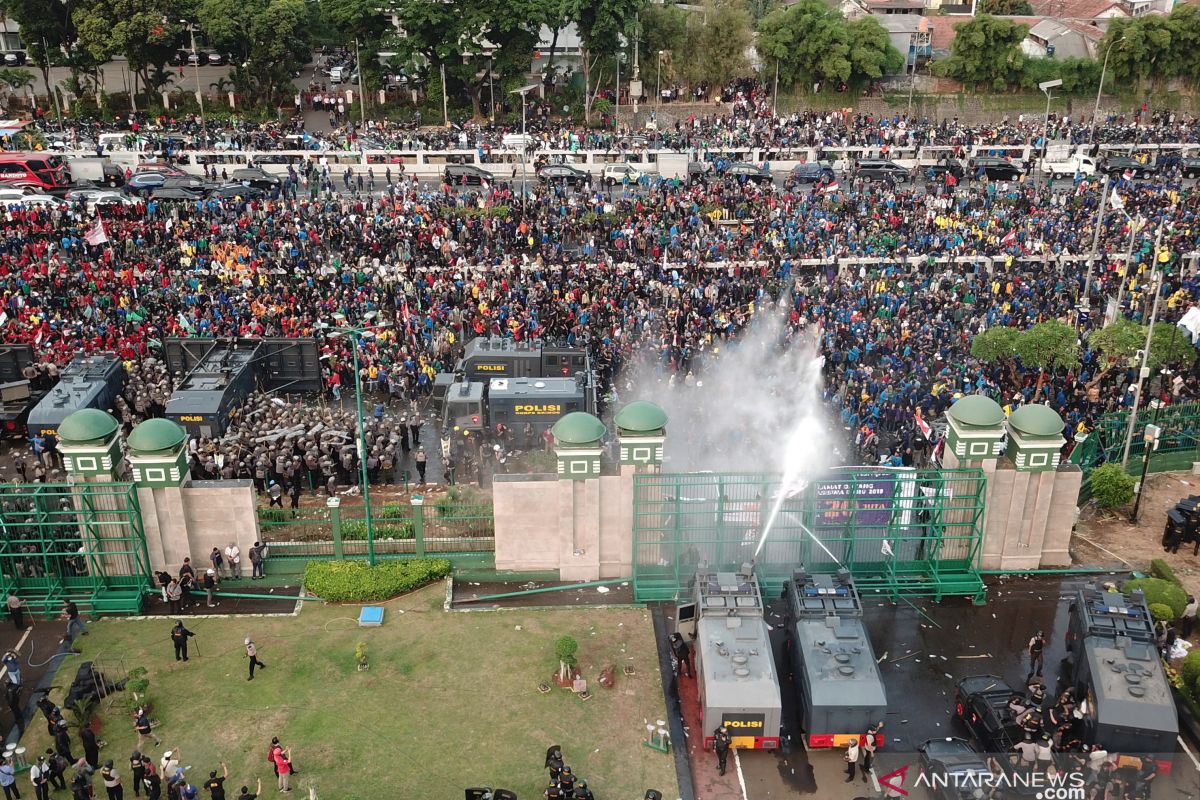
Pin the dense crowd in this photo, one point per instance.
(661, 272)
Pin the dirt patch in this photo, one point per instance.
(228, 606)
(467, 594)
(1104, 538)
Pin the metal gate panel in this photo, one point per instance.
(900, 531)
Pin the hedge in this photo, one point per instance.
(1161, 612)
(1158, 590)
(1161, 569)
(357, 581)
(355, 530)
(1190, 669)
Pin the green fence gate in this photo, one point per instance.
(1178, 444)
(82, 542)
(899, 531)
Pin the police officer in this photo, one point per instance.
(137, 772)
(683, 655)
(582, 792)
(566, 784)
(554, 762)
(870, 742)
(1037, 648)
(721, 743)
(111, 781)
(180, 635)
(91, 747)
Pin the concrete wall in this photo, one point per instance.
(192, 520)
(583, 529)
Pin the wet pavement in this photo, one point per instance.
(924, 648)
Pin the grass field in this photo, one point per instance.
(449, 701)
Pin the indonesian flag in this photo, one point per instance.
(832, 186)
(95, 235)
(925, 429)
(1009, 237)
(1128, 175)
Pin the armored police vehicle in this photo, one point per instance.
(205, 402)
(510, 383)
(87, 382)
(838, 686)
(1114, 664)
(18, 396)
(735, 666)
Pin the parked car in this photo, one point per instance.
(252, 176)
(995, 168)
(99, 197)
(1119, 165)
(14, 58)
(951, 166)
(174, 193)
(875, 169)
(751, 172)
(216, 60)
(231, 191)
(144, 182)
(952, 767)
(1190, 167)
(192, 182)
(467, 175)
(562, 173)
(810, 172)
(621, 173)
(698, 171)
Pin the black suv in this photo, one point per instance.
(1117, 165)
(740, 169)
(563, 173)
(464, 174)
(811, 172)
(873, 169)
(996, 169)
(1190, 167)
(946, 166)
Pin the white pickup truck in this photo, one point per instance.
(1069, 166)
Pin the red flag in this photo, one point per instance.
(1009, 237)
(925, 429)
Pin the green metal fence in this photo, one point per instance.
(1178, 444)
(900, 531)
(83, 542)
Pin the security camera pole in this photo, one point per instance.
(1046, 86)
(1144, 371)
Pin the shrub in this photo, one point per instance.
(355, 530)
(272, 515)
(357, 581)
(1190, 669)
(1158, 591)
(1161, 569)
(1112, 486)
(395, 511)
(1161, 612)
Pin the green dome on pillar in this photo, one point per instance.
(155, 436)
(640, 416)
(577, 445)
(90, 446)
(158, 454)
(1036, 438)
(977, 411)
(88, 425)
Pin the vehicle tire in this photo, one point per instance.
(1058, 176)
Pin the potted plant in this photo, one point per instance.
(360, 656)
(564, 650)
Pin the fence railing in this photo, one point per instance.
(1178, 443)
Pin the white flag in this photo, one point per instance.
(95, 235)
(1118, 202)
(886, 548)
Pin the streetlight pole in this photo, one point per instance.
(617, 104)
(775, 92)
(492, 86)
(362, 96)
(196, 72)
(1100, 88)
(445, 102)
(1143, 370)
(658, 78)
(49, 90)
(1046, 86)
(1087, 283)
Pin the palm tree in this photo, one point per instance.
(16, 79)
(222, 85)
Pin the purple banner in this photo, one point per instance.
(870, 494)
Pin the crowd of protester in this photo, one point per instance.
(660, 272)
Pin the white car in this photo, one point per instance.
(32, 200)
(617, 173)
(100, 197)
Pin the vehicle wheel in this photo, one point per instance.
(1058, 176)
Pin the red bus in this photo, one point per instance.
(44, 171)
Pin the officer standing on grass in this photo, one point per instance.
(112, 781)
(252, 654)
(721, 743)
(179, 636)
(137, 772)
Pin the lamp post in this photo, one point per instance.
(353, 332)
(52, 91)
(524, 90)
(196, 71)
(1150, 438)
(658, 78)
(1046, 86)
(362, 96)
(1143, 370)
(1100, 88)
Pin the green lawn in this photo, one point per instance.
(449, 701)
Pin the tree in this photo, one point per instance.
(1145, 51)
(266, 39)
(564, 649)
(998, 346)
(1112, 486)
(987, 52)
(602, 24)
(807, 41)
(16, 80)
(1169, 347)
(661, 28)
(1046, 346)
(146, 32)
(1006, 8)
(1184, 24)
(717, 39)
(1115, 344)
(46, 28)
(467, 38)
(871, 53)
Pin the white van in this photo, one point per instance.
(337, 74)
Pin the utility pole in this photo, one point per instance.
(49, 89)
(637, 75)
(1150, 438)
(196, 72)
(445, 104)
(1143, 370)
(775, 93)
(362, 96)
(1087, 283)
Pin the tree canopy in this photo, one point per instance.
(986, 52)
(810, 41)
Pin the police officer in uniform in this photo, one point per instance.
(566, 784)
(111, 781)
(179, 636)
(721, 743)
(1037, 651)
(683, 655)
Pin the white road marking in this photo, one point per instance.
(737, 762)
(1190, 754)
